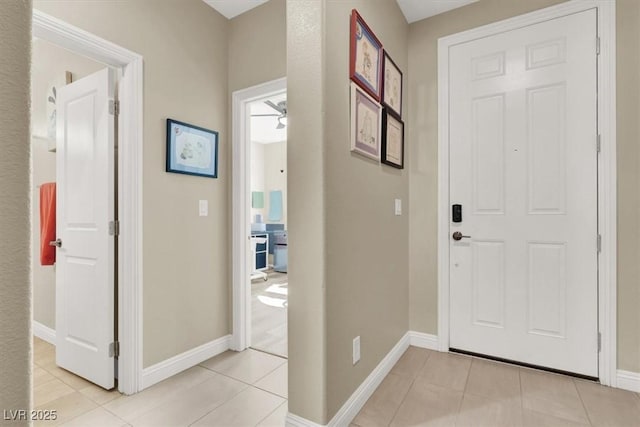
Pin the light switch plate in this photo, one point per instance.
(356, 349)
(398, 207)
(203, 207)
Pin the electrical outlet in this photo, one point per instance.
(356, 349)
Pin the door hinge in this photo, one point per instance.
(114, 107)
(597, 45)
(114, 228)
(114, 349)
(599, 243)
(599, 342)
(599, 143)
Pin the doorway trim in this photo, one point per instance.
(607, 194)
(241, 209)
(130, 142)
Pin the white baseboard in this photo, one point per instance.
(167, 368)
(627, 380)
(293, 420)
(420, 339)
(352, 406)
(43, 332)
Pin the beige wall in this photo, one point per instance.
(49, 63)
(423, 115)
(257, 46)
(367, 250)
(628, 97)
(351, 250)
(186, 263)
(15, 283)
(306, 222)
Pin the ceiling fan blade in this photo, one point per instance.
(279, 108)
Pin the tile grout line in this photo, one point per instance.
(244, 382)
(222, 403)
(464, 390)
(584, 405)
(166, 397)
(521, 396)
(233, 397)
(271, 413)
(413, 380)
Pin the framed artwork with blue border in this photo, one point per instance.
(365, 63)
(191, 150)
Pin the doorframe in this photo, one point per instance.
(241, 206)
(130, 143)
(607, 194)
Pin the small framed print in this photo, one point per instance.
(392, 88)
(366, 116)
(365, 62)
(392, 140)
(191, 150)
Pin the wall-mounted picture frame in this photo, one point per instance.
(366, 118)
(365, 62)
(191, 150)
(392, 87)
(392, 140)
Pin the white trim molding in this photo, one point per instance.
(607, 174)
(130, 142)
(176, 364)
(45, 333)
(354, 404)
(627, 380)
(422, 340)
(293, 420)
(241, 210)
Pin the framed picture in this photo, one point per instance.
(366, 116)
(365, 63)
(392, 88)
(191, 150)
(392, 140)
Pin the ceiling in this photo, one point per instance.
(263, 129)
(414, 10)
(232, 8)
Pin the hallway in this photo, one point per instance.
(424, 388)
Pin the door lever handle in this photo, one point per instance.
(458, 236)
(57, 243)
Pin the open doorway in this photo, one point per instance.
(74, 172)
(94, 95)
(269, 249)
(260, 250)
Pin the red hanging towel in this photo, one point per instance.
(47, 223)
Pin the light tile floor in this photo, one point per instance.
(269, 313)
(232, 389)
(428, 388)
(425, 388)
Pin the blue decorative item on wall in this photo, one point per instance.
(191, 150)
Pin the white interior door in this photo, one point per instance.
(523, 165)
(85, 206)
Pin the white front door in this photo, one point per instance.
(523, 166)
(85, 206)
